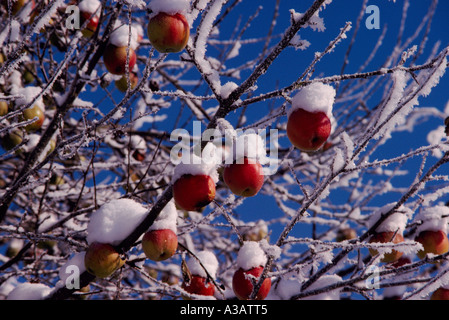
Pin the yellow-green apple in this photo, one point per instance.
(440, 294)
(193, 192)
(92, 23)
(115, 59)
(31, 113)
(198, 285)
(12, 139)
(102, 260)
(168, 32)
(243, 283)
(433, 241)
(3, 108)
(159, 245)
(308, 131)
(244, 177)
(346, 234)
(122, 83)
(387, 237)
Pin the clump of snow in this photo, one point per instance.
(114, 221)
(76, 262)
(437, 136)
(29, 291)
(170, 7)
(227, 89)
(250, 145)
(120, 37)
(89, 6)
(433, 218)
(396, 221)
(167, 218)
(208, 260)
(195, 165)
(27, 95)
(250, 256)
(316, 97)
(322, 282)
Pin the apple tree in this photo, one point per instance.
(223, 149)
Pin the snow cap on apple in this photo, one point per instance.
(250, 256)
(433, 218)
(29, 291)
(195, 165)
(90, 6)
(27, 95)
(114, 221)
(120, 36)
(170, 7)
(208, 260)
(396, 221)
(167, 218)
(248, 145)
(316, 97)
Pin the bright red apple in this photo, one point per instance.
(242, 283)
(168, 33)
(102, 260)
(386, 237)
(159, 245)
(435, 242)
(31, 113)
(440, 294)
(198, 285)
(244, 179)
(115, 59)
(92, 23)
(308, 131)
(193, 192)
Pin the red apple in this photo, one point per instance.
(198, 285)
(115, 59)
(102, 260)
(440, 294)
(92, 24)
(159, 245)
(242, 283)
(122, 83)
(31, 113)
(193, 192)
(386, 237)
(168, 33)
(308, 131)
(435, 242)
(244, 179)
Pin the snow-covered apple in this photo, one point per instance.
(433, 241)
(102, 260)
(198, 285)
(243, 283)
(193, 192)
(31, 113)
(309, 120)
(244, 177)
(168, 32)
(308, 131)
(115, 59)
(159, 245)
(387, 237)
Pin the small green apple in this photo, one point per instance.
(102, 260)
